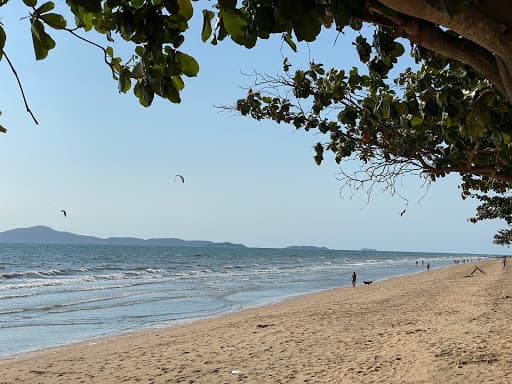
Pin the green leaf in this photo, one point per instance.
(124, 82)
(416, 120)
(116, 63)
(185, 9)
(178, 83)
(288, 39)
(363, 49)
(307, 28)
(88, 5)
(138, 70)
(229, 4)
(84, 19)
(48, 6)
(207, 26)
(398, 50)
(144, 93)
(172, 93)
(506, 138)
(189, 65)
(30, 3)
(384, 108)
(54, 20)
(41, 40)
(137, 3)
(319, 153)
(139, 50)
(234, 23)
(2, 40)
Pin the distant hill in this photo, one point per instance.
(308, 247)
(46, 235)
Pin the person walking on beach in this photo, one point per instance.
(354, 277)
(504, 261)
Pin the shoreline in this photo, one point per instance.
(165, 325)
(419, 328)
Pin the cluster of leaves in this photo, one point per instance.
(258, 19)
(155, 29)
(496, 207)
(443, 118)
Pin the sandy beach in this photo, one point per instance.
(439, 326)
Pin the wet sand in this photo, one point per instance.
(438, 326)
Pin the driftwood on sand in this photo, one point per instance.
(474, 270)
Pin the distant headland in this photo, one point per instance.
(45, 235)
(308, 248)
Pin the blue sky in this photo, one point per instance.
(110, 162)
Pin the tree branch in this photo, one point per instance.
(468, 22)
(72, 31)
(435, 39)
(20, 86)
(506, 76)
(477, 171)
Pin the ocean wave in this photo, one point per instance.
(56, 308)
(36, 283)
(10, 311)
(17, 275)
(72, 271)
(16, 296)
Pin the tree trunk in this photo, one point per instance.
(486, 23)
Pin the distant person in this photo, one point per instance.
(428, 266)
(416, 262)
(354, 278)
(422, 262)
(504, 261)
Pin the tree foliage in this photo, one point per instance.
(451, 114)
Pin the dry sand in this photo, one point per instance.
(433, 327)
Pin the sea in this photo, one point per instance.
(53, 295)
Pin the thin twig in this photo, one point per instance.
(72, 31)
(20, 86)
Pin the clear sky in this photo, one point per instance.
(110, 162)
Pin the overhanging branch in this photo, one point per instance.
(435, 39)
(469, 22)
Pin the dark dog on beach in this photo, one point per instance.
(367, 282)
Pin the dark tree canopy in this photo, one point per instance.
(451, 114)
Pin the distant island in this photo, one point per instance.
(308, 247)
(45, 235)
